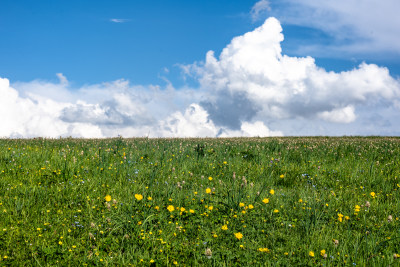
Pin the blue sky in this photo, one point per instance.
(86, 51)
(79, 38)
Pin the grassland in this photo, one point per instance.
(200, 202)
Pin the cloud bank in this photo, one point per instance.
(250, 89)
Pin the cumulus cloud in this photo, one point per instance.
(253, 70)
(250, 89)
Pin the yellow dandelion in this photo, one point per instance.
(238, 235)
(224, 227)
(108, 198)
(210, 178)
(265, 200)
(170, 208)
(373, 194)
(251, 206)
(282, 176)
(276, 210)
(311, 254)
(138, 197)
(208, 191)
(241, 204)
(323, 252)
(272, 191)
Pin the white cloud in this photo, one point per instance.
(259, 8)
(119, 20)
(358, 27)
(251, 72)
(250, 89)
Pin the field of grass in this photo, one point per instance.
(208, 202)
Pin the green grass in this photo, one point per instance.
(289, 198)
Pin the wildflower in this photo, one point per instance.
(108, 198)
(211, 208)
(340, 217)
(311, 254)
(367, 204)
(208, 253)
(323, 252)
(251, 206)
(396, 256)
(208, 191)
(138, 197)
(191, 211)
(210, 178)
(300, 200)
(373, 194)
(149, 198)
(182, 209)
(241, 204)
(335, 242)
(390, 218)
(151, 261)
(170, 208)
(60, 242)
(263, 249)
(265, 200)
(282, 176)
(272, 191)
(238, 235)
(224, 227)
(276, 210)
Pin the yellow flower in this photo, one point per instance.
(138, 197)
(151, 261)
(323, 252)
(191, 211)
(170, 208)
(210, 178)
(266, 200)
(211, 208)
(208, 190)
(251, 206)
(263, 249)
(241, 204)
(149, 198)
(108, 198)
(182, 209)
(238, 235)
(281, 176)
(311, 253)
(60, 242)
(373, 194)
(272, 191)
(224, 227)
(276, 210)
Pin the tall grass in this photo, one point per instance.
(294, 201)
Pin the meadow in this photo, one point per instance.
(320, 201)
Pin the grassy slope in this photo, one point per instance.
(53, 209)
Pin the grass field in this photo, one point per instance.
(190, 202)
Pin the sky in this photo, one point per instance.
(199, 68)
